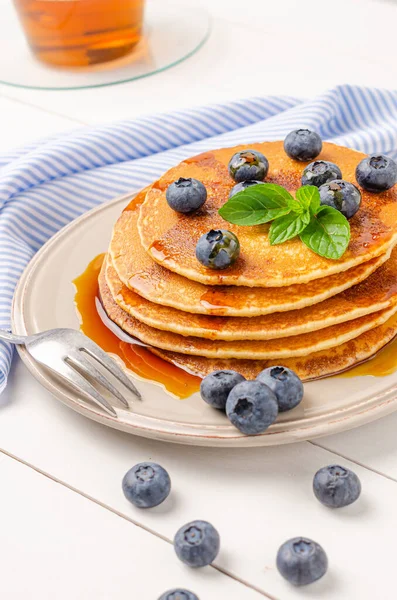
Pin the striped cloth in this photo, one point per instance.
(47, 184)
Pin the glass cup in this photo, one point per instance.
(77, 33)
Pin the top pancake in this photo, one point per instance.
(170, 237)
(142, 275)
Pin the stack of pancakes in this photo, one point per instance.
(279, 304)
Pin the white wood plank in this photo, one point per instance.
(57, 544)
(257, 498)
(373, 445)
(22, 123)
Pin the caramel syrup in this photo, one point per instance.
(158, 252)
(139, 359)
(382, 364)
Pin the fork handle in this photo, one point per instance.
(10, 337)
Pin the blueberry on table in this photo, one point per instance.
(197, 544)
(301, 561)
(342, 195)
(303, 144)
(285, 384)
(216, 387)
(377, 173)
(320, 172)
(336, 486)
(218, 249)
(248, 165)
(252, 407)
(146, 485)
(186, 195)
(239, 187)
(178, 594)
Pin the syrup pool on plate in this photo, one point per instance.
(382, 364)
(136, 357)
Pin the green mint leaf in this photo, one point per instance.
(309, 197)
(328, 233)
(257, 204)
(287, 227)
(296, 206)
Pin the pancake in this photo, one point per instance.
(141, 274)
(299, 345)
(170, 238)
(376, 293)
(311, 367)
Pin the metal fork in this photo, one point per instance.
(66, 351)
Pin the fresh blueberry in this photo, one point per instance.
(218, 249)
(197, 544)
(301, 561)
(252, 407)
(336, 486)
(186, 195)
(303, 144)
(320, 172)
(146, 485)
(178, 594)
(216, 387)
(239, 187)
(285, 384)
(377, 173)
(248, 165)
(342, 195)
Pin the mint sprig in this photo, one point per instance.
(322, 228)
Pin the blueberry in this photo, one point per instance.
(248, 165)
(301, 561)
(336, 486)
(376, 173)
(216, 387)
(342, 195)
(285, 384)
(320, 172)
(252, 407)
(239, 187)
(197, 544)
(303, 144)
(146, 485)
(178, 594)
(186, 195)
(218, 249)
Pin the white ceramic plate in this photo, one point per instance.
(44, 300)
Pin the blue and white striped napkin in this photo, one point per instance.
(47, 184)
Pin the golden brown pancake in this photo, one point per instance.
(299, 345)
(170, 237)
(376, 293)
(150, 280)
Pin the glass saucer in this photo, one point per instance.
(172, 33)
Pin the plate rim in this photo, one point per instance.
(342, 419)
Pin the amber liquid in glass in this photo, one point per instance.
(77, 33)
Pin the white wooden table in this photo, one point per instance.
(66, 530)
